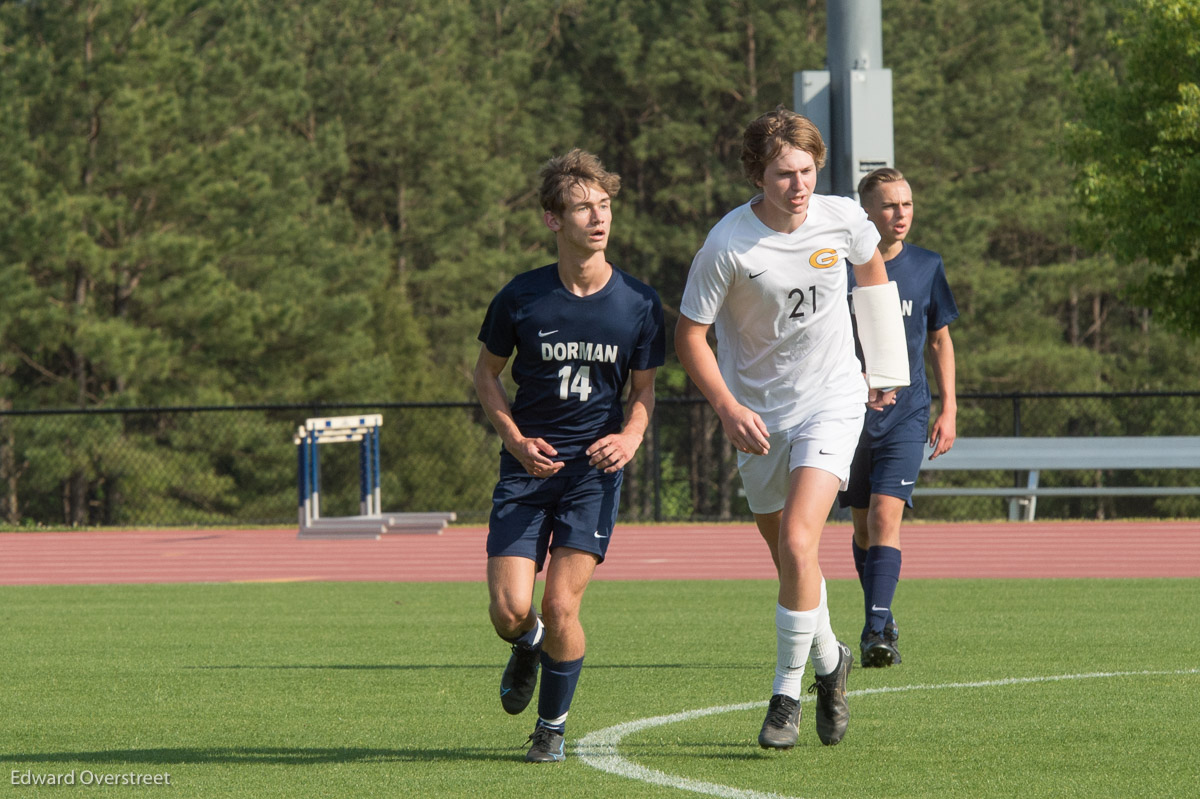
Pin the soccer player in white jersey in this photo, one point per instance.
(787, 386)
(577, 331)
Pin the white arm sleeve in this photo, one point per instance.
(881, 333)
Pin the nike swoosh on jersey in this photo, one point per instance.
(547, 333)
(760, 274)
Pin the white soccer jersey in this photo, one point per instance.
(785, 344)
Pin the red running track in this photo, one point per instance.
(672, 552)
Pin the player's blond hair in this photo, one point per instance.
(873, 180)
(766, 137)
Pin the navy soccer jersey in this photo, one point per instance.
(573, 356)
(927, 304)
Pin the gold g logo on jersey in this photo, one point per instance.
(823, 259)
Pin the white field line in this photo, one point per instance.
(599, 749)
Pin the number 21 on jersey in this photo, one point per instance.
(581, 384)
(796, 312)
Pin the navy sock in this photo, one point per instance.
(531, 638)
(527, 639)
(558, 687)
(860, 559)
(881, 573)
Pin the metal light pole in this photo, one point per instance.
(851, 101)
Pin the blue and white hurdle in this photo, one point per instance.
(371, 521)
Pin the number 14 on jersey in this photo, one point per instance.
(581, 384)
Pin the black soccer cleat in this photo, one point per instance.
(833, 713)
(547, 746)
(519, 678)
(781, 728)
(891, 634)
(877, 651)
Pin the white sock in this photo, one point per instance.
(541, 631)
(826, 654)
(557, 723)
(794, 635)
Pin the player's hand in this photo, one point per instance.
(746, 430)
(535, 455)
(941, 435)
(878, 399)
(612, 452)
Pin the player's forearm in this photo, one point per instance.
(872, 273)
(942, 350)
(638, 410)
(698, 360)
(494, 401)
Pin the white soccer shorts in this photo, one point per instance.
(825, 441)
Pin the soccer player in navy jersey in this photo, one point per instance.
(581, 329)
(889, 453)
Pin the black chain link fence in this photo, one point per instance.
(223, 466)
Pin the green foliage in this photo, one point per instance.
(244, 201)
(982, 100)
(173, 235)
(446, 111)
(1137, 148)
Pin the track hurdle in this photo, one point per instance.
(371, 522)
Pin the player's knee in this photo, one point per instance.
(885, 520)
(794, 563)
(559, 612)
(507, 619)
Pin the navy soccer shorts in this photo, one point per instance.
(888, 468)
(532, 515)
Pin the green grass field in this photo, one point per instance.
(369, 689)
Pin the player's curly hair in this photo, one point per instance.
(873, 180)
(766, 137)
(577, 168)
